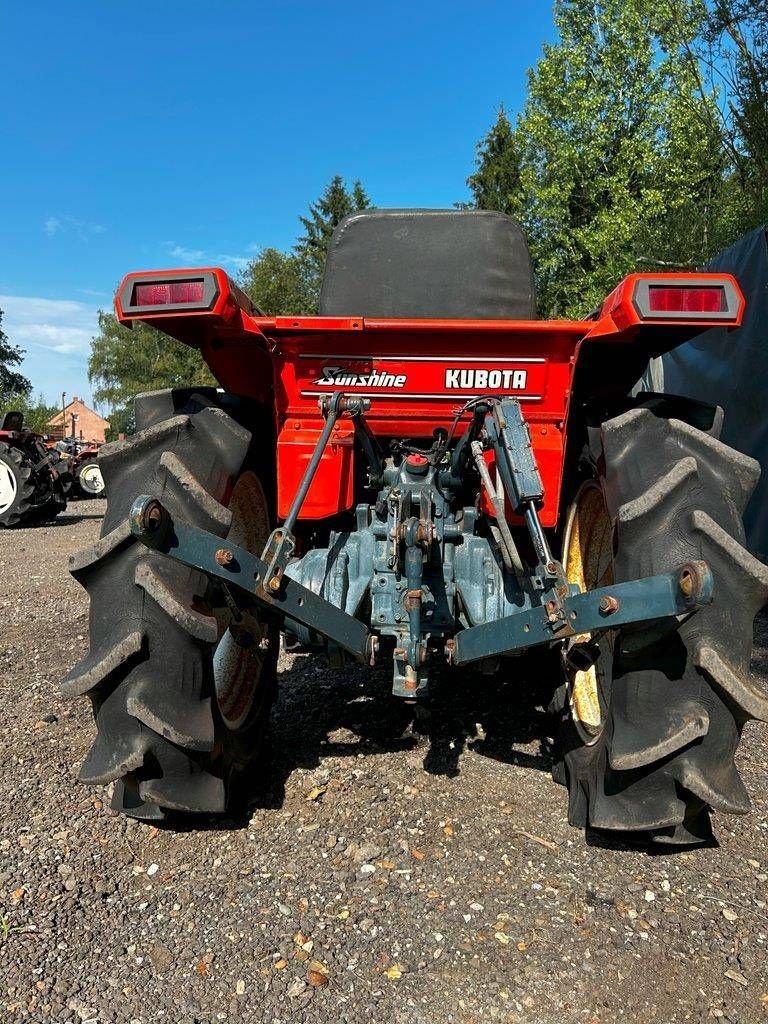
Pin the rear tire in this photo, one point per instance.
(162, 736)
(16, 486)
(673, 700)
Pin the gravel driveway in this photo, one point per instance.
(389, 872)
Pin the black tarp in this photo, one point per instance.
(730, 369)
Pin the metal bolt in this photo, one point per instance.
(608, 604)
(152, 516)
(223, 556)
(552, 568)
(274, 583)
(686, 582)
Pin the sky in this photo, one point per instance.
(152, 135)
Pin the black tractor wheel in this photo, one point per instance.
(180, 685)
(649, 734)
(17, 490)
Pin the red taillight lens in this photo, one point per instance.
(169, 293)
(672, 299)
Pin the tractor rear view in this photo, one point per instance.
(425, 475)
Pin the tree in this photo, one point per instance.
(334, 204)
(278, 283)
(282, 283)
(36, 411)
(14, 386)
(124, 362)
(497, 180)
(614, 168)
(731, 53)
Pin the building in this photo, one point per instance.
(77, 420)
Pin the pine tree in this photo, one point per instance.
(334, 204)
(496, 183)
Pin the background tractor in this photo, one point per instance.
(79, 468)
(425, 475)
(31, 488)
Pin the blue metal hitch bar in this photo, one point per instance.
(152, 525)
(623, 604)
(654, 598)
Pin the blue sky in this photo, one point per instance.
(169, 134)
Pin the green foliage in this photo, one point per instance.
(281, 283)
(278, 283)
(496, 182)
(334, 204)
(643, 142)
(125, 362)
(122, 420)
(36, 411)
(613, 162)
(13, 385)
(732, 53)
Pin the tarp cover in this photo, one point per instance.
(730, 368)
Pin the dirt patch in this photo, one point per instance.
(392, 870)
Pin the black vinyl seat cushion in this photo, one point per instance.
(445, 264)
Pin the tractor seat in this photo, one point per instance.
(444, 264)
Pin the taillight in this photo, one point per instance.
(169, 293)
(663, 299)
(704, 297)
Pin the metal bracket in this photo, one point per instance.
(281, 543)
(624, 604)
(152, 524)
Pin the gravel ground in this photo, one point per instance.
(387, 873)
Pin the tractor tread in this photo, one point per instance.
(679, 475)
(753, 575)
(717, 784)
(744, 693)
(199, 792)
(211, 514)
(145, 440)
(715, 452)
(639, 743)
(99, 550)
(675, 705)
(150, 677)
(93, 670)
(201, 627)
(23, 506)
(187, 723)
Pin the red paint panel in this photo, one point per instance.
(331, 490)
(416, 383)
(418, 374)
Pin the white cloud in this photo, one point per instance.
(201, 257)
(238, 262)
(56, 337)
(184, 254)
(65, 223)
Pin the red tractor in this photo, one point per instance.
(425, 475)
(31, 487)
